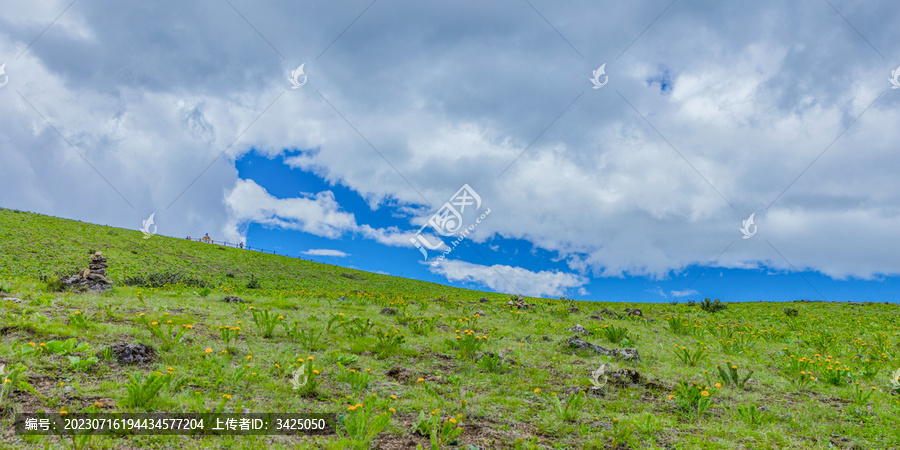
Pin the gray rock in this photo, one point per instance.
(99, 278)
(607, 312)
(624, 377)
(133, 353)
(627, 354)
(577, 328)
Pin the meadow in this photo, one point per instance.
(404, 363)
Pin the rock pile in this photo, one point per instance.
(91, 279)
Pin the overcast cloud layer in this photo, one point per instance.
(712, 111)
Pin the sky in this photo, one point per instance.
(594, 150)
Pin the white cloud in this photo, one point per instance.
(683, 293)
(152, 97)
(317, 214)
(326, 252)
(509, 279)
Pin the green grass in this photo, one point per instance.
(507, 379)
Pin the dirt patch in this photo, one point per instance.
(477, 431)
(27, 331)
(400, 374)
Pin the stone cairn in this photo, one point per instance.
(93, 278)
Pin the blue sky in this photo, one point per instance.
(627, 186)
(693, 283)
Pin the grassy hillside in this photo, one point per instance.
(35, 245)
(400, 366)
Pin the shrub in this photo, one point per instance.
(691, 358)
(730, 376)
(265, 321)
(692, 398)
(423, 325)
(712, 306)
(358, 380)
(10, 380)
(79, 320)
(168, 333)
(801, 380)
(160, 279)
(361, 423)
(308, 338)
(387, 342)
(791, 312)
(572, 409)
(305, 378)
(140, 392)
(678, 325)
(614, 334)
(467, 343)
(861, 395)
(492, 363)
(754, 416)
(440, 432)
(253, 283)
(67, 347)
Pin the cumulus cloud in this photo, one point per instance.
(510, 279)
(318, 214)
(121, 110)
